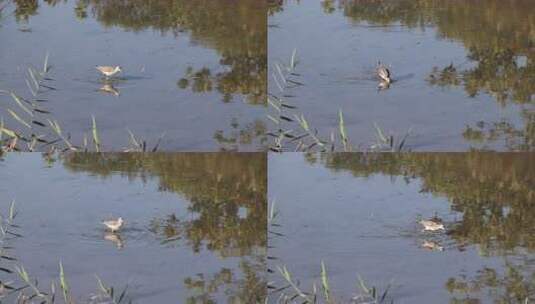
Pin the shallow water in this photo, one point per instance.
(359, 216)
(483, 100)
(195, 223)
(194, 70)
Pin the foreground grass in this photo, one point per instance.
(291, 291)
(321, 291)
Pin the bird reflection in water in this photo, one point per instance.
(432, 245)
(108, 88)
(115, 238)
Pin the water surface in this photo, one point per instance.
(463, 70)
(195, 223)
(359, 215)
(195, 71)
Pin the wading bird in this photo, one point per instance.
(433, 224)
(114, 225)
(108, 71)
(383, 73)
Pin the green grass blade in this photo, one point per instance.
(101, 285)
(21, 105)
(325, 283)
(46, 68)
(17, 117)
(12, 212)
(8, 132)
(96, 139)
(293, 61)
(63, 284)
(342, 128)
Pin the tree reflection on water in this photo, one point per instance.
(495, 195)
(226, 194)
(500, 45)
